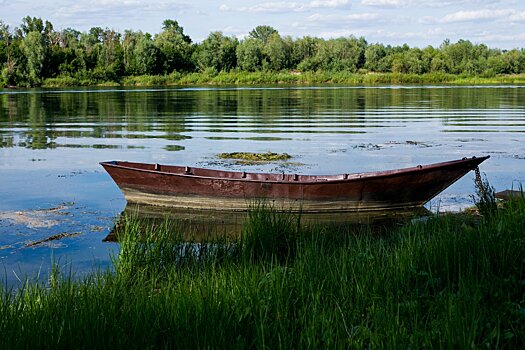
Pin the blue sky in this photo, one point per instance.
(497, 23)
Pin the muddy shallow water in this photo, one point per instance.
(57, 204)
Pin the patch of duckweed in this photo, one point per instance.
(255, 157)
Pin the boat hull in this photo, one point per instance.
(197, 188)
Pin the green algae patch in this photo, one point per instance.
(255, 157)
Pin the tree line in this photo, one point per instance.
(34, 51)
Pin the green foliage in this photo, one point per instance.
(486, 198)
(174, 27)
(9, 74)
(250, 55)
(261, 157)
(35, 52)
(217, 52)
(269, 234)
(175, 48)
(450, 282)
(277, 53)
(146, 56)
(263, 33)
(374, 55)
(342, 54)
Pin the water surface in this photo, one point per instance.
(52, 140)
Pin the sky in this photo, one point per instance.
(497, 23)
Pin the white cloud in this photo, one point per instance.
(328, 3)
(355, 17)
(112, 7)
(427, 3)
(387, 3)
(475, 15)
(517, 16)
(499, 38)
(286, 6)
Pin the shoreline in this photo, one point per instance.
(287, 78)
(451, 279)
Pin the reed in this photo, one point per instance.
(283, 77)
(453, 281)
(345, 77)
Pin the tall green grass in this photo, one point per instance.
(284, 77)
(454, 281)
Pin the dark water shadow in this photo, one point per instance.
(208, 225)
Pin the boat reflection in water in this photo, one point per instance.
(207, 225)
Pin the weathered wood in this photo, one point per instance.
(198, 188)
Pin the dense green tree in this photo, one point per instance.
(5, 39)
(217, 52)
(513, 61)
(262, 33)
(146, 56)
(91, 45)
(439, 63)
(110, 64)
(62, 53)
(250, 54)
(175, 48)
(409, 61)
(457, 55)
(34, 24)
(34, 50)
(277, 52)
(303, 52)
(374, 55)
(342, 54)
(129, 42)
(7, 66)
(174, 26)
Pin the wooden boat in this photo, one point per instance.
(197, 188)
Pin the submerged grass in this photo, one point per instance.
(454, 281)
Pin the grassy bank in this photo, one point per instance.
(285, 77)
(454, 281)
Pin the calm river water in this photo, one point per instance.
(52, 140)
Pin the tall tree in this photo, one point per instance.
(129, 42)
(304, 49)
(5, 39)
(218, 52)
(34, 24)
(174, 26)
(262, 33)
(175, 47)
(110, 57)
(277, 52)
(250, 54)
(343, 54)
(91, 45)
(146, 56)
(33, 48)
(374, 55)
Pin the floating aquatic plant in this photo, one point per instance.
(258, 157)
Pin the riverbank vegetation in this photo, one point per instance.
(34, 54)
(452, 281)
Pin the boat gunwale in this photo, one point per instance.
(318, 179)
